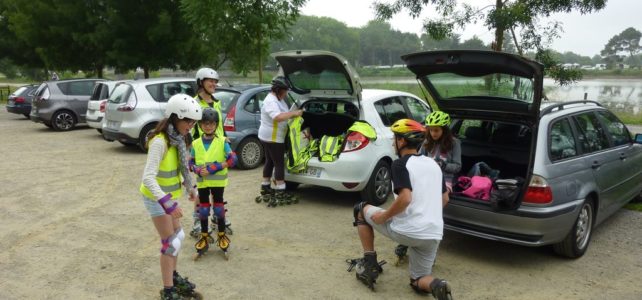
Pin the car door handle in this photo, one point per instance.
(596, 164)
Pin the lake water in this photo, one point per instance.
(618, 94)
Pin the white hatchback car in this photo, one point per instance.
(332, 99)
(98, 102)
(135, 107)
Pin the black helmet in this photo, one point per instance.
(210, 115)
(280, 82)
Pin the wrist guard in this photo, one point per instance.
(167, 204)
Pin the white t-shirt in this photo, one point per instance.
(422, 219)
(270, 130)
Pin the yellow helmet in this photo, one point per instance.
(409, 129)
(438, 118)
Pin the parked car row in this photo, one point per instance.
(578, 162)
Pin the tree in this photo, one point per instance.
(241, 30)
(151, 34)
(625, 43)
(504, 15)
(473, 43)
(429, 43)
(381, 45)
(311, 32)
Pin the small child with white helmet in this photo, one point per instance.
(161, 187)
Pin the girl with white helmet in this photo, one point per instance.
(206, 81)
(167, 160)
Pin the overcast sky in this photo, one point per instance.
(583, 34)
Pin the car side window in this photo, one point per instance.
(591, 134)
(418, 111)
(614, 128)
(390, 110)
(254, 104)
(561, 141)
(82, 88)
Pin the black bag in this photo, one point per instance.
(505, 193)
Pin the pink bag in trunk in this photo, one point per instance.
(477, 187)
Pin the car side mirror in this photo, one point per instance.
(638, 138)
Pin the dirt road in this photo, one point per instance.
(73, 227)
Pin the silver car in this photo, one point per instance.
(62, 104)
(98, 103)
(134, 108)
(578, 162)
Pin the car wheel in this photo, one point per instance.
(379, 185)
(26, 116)
(142, 138)
(250, 153)
(99, 131)
(63, 120)
(577, 241)
(291, 186)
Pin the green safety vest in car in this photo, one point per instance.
(196, 131)
(168, 176)
(298, 157)
(215, 153)
(329, 148)
(364, 128)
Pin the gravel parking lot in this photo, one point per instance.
(74, 227)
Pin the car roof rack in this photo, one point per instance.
(560, 106)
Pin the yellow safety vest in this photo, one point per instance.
(168, 177)
(215, 153)
(197, 131)
(329, 148)
(297, 157)
(364, 128)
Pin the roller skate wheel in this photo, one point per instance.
(226, 255)
(258, 199)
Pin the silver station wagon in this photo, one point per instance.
(578, 162)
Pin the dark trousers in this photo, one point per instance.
(274, 153)
(217, 204)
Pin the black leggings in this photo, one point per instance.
(274, 153)
(217, 203)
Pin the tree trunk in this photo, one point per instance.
(258, 44)
(146, 72)
(99, 71)
(499, 29)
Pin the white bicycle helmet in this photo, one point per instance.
(205, 73)
(183, 106)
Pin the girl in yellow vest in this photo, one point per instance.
(211, 157)
(167, 163)
(206, 81)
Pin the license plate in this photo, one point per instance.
(312, 171)
(112, 124)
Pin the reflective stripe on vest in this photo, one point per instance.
(329, 148)
(215, 153)
(168, 176)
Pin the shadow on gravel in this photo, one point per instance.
(326, 196)
(122, 149)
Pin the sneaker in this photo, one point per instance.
(441, 289)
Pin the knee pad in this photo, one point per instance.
(358, 208)
(219, 210)
(172, 245)
(204, 211)
(180, 234)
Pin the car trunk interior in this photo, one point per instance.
(331, 118)
(503, 146)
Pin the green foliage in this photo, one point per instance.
(634, 206)
(240, 30)
(504, 15)
(626, 43)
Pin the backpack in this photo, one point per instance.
(476, 187)
(505, 194)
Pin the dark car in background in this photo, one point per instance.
(241, 110)
(62, 104)
(19, 102)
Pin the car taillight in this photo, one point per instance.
(129, 106)
(355, 141)
(228, 124)
(19, 100)
(538, 191)
(103, 105)
(124, 107)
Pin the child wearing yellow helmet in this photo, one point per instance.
(442, 146)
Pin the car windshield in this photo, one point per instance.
(19, 91)
(502, 86)
(324, 80)
(120, 93)
(226, 98)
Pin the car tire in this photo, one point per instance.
(291, 186)
(26, 116)
(127, 144)
(250, 153)
(578, 239)
(142, 138)
(99, 130)
(63, 120)
(379, 185)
